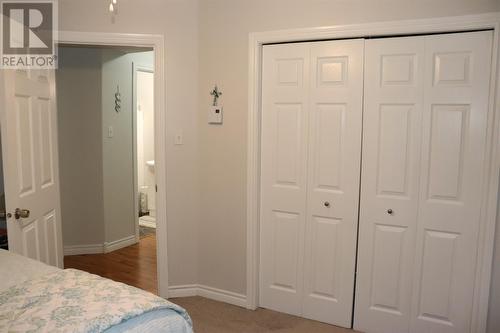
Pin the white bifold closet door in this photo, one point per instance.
(310, 167)
(424, 144)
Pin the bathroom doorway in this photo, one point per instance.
(143, 87)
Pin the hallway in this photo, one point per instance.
(134, 265)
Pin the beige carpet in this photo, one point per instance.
(216, 317)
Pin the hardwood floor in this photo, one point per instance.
(134, 265)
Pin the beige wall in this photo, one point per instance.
(177, 21)
(207, 45)
(118, 161)
(80, 147)
(494, 309)
(224, 29)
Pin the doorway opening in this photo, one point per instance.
(106, 119)
(4, 240)
(143, 89)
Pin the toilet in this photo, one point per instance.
(149, 221)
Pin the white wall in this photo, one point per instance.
(78, 82)
(177, 21)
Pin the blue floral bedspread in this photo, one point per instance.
(75, 301)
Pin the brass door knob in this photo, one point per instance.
(21, 213)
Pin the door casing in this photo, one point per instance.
(490, 21)
(156, 42)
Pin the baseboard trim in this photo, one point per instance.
(74, 250)
(222, 295)
(188, 290)
(119, 244)
(208, 292)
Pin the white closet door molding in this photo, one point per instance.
(335, 119)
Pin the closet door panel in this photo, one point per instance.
(453, 153)
(283, 177)
(335, 119)
(389, 183)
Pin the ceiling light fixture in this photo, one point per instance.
(112, 5)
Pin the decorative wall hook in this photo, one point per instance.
(216, 93)
(118, 100)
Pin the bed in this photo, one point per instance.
(39, 298)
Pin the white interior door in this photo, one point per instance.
(285, 102)
(390, 180)
(452, 174)
(30, 160)
(426, 106)
(311, 139)
(335, 119)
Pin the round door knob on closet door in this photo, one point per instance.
(327, 204)
(389, 211)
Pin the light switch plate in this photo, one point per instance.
(178, 140)
(215, 115)
(111, 132)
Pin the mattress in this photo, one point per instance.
(17, 269)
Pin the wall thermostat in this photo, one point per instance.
(215, 115)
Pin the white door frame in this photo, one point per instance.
(157, 43)
(392, 28)
(147, 69)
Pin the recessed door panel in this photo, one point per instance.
(45, 142)
(24, 144)
(332, 70)
(452, 68)
(284, 254)
(288, 128)
(437, 276)
(398, 69)
(387, 269)
(51, 236)
(394, 138)
(289, 72)
(30, 241)
(325, 279)
(328, 138)
(449, 125)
